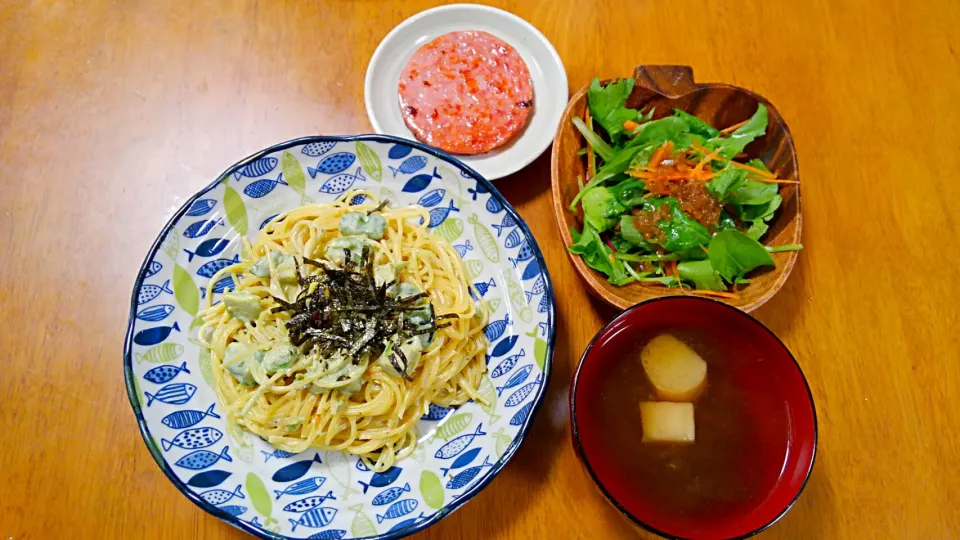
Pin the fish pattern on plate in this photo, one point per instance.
(326, 494)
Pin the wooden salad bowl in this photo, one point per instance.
(667, 88)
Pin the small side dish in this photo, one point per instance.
(672, 201)
(466, 92)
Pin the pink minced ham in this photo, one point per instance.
(466, 93)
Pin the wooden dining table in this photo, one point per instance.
(112, 114)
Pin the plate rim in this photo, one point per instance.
(534, 31)
(447, 509)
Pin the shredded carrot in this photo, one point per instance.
(774, 180)
(704, 248)
(731, 129)
(675, 270)
(660, 154)
(591, 160)
(764, 176)
(706, 159)
(630, 125)
(754, 170)
(718, 294)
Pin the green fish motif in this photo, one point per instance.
(489, 394)
(519, 300)
(387, 195)
(243, 444)
(370, 161)
(450, 229)
(339, 467)
(185, 291)
(260, 497)
(487, 243)
(447, 175)
(540, 352)
(236, 210)
(206, 368)
(454, 426)
(362, 525)
(171, 244)
(493, 305)
(502, 441)
(431, 490)
(474, 267)
(136, 387)
(293, 175)
(159, 354)
(418, 454)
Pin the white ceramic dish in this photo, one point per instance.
(549, 79)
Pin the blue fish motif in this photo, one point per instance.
(201, 207)
(257, 168)
(521, 394)
(333, 164)
(398, 151)
(382, 479)
(268, 220)
(406, 524)
(436, 412)
(504, 347)
(514, 239)
(467, 475)
(201, 228)
(209, 269)
(152, 336)
(208, 479)
(419, 182)
(389, 495)
(302, 487)
(521, 416)
(542, 308)
(507, 365)
(410, 165)
(494, 330)
(277, 453)
(188, 418)
(439, 214)
(201, 459)
(462, 249)
(532, 270)
(224, 284)
(295, 470)
(165, 374)
(361, 466)
(262, 188)
(462, 461)
(539, 286)
(483, 287)
(315, 519)
(152, 270)
(317, 149)
(480, 189)
(208, 248)
(342, 182)
(234, 509)
(219, 496)
(329, 534)
(308, 503)
(358, 199)
(155, 313)
(494, 206)
(507, 223)
(191, 439)
(149, 292)
(525, 253)
(453, 448)
(516, 379)
(398, 509)
(432, 198)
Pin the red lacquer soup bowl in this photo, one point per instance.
(755, 423)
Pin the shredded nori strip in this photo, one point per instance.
(347, 311)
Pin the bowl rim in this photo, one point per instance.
(578, 446)
(591, 278)
(554, 57)
(447, 509)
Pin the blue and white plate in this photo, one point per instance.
(319, 494)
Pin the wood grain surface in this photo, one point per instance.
(113, 113)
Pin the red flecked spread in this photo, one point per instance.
(466, 92)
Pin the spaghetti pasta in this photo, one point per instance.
(283, 375)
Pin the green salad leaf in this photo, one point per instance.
(761, 211)
(702, 274)
(733, 254)
(683, 234)
(757, 229)
(629, 193)
(753, 192)
(601, 209)
(608, 105)
(630, 233)
(728, 179)
(744, 135)
(696, 125)
(598, 256)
